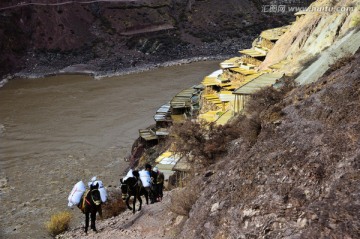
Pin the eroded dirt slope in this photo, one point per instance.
(301, 177)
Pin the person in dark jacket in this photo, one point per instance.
(159, 184)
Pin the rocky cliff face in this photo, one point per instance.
(113, 35)
(326, 23)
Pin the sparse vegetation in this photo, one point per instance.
(58, 223)
(207, 142)
(268, 98)
(114, 205)
(183, 199)
(189, 137)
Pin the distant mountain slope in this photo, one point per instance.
(113, 35)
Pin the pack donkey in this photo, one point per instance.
(90, 204)
(132, 186)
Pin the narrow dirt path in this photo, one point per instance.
(152, 222)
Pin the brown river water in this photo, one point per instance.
(57, 130)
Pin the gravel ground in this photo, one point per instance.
(152, 222)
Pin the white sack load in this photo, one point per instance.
(129, 175)
(92, 180)
(76, 193)
(145, 178)
(103, 193)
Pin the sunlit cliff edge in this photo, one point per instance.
(317, 34)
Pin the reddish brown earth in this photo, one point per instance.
(300, 179)
(111, 36)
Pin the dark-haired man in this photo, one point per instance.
(153, 178)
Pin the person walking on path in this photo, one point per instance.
(153, 178)
(159, 184)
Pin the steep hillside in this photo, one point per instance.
(108, 36)
(301, 177)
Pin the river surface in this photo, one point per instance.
(55, 131)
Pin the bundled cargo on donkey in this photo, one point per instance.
(76, 193)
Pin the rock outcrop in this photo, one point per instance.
(316, 30)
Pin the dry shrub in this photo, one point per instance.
(58, 223)
(183, 199)
(207, 142)
(266, 104)
(219, 138)
(264, 98)
(114, 204)
(189, 137)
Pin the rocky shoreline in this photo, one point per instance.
(87, 69)
(40, 65)
(98, 74)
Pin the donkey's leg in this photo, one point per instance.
(86, 221)
(127, 202)
(134, 203)
(140, 201)
(93, 218)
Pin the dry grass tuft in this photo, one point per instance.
(58, 223)
(183, 199)
(114, 205)
(205, 142)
